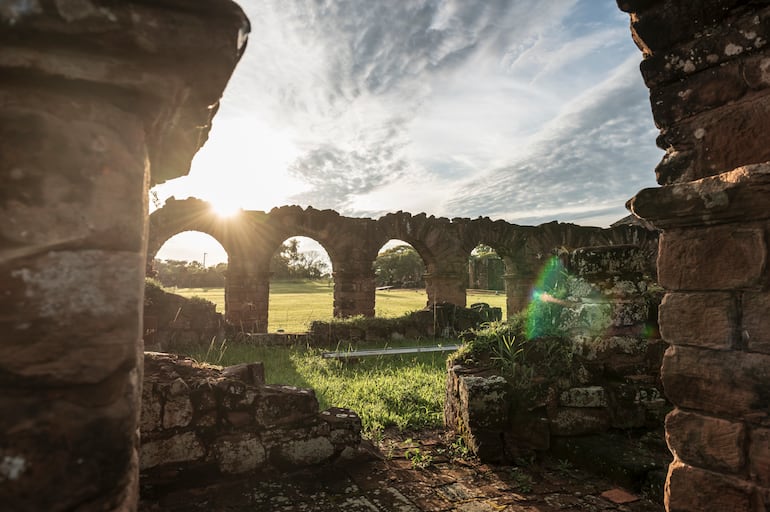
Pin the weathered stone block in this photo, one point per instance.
(284, 405)
(302, 452)
(759, 456)
(239, 453)
(70, 316)
(725, 383)
(528, 432)
(689, 489)
(575, 421)
(706, 442)
(177, 411)
(483, 401)
(619, 260)
(713, 258)
(700, 319)
(591, 396)
(756, 321)
(184, 447)
(700, 92)
(344, 425)
(151, 416)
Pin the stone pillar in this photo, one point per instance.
(354, 293)
(446, 287)
(74, 172)
(247, 299)
(518, 291)
(713, 262)
(710, 96)
(80, 131)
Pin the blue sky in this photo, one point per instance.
(523, 110)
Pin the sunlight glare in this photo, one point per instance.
(225, 208)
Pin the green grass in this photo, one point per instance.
(406, 391)
(294, 304)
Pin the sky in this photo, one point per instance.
(521, 110)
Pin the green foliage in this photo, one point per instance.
(405, 391)
(400, 266)
(522, 481)
(418, 458)
(519, 358)
(289, 263)
(189, 274)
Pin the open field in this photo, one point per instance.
(294, 304)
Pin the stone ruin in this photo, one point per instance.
(84, 132)
(200, 423)
(252, 237)
(172, 323)
(595, 365)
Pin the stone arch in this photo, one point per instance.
(179, 216)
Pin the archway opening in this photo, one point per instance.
(399, 272)
(301, 285)
(192, 264)
(486, 280)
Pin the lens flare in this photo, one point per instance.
(544, 309)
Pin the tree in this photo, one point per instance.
(289, 263)
(399, 266)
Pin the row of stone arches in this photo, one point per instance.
(250, 238)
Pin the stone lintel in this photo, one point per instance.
(739, 195)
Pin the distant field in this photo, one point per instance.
(294, 304)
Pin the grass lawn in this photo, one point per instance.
(406, 391)
(294, 304)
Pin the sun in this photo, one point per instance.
(225, 208)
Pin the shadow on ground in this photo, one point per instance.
(423, 473)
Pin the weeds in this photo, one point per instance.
(216, 352)
(418, 458)
(522, 481)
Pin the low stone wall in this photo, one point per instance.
(202, 421)
(174, 323)
(438, 321)
(603, 304)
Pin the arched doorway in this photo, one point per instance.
(190, 264)
(399, 271)
(301, 285)
(486, 281)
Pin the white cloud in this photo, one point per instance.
(521, 109)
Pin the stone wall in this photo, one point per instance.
(594, 360)
(97, 101)
(706, 64)
(202, 422)
(173, 323)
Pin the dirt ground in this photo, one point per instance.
(425, 472)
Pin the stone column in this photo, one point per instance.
(716, 317)
(518, 291)
(80, 131)
(710, 96)
(446, 287)
(247, 298)
(354, 293)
